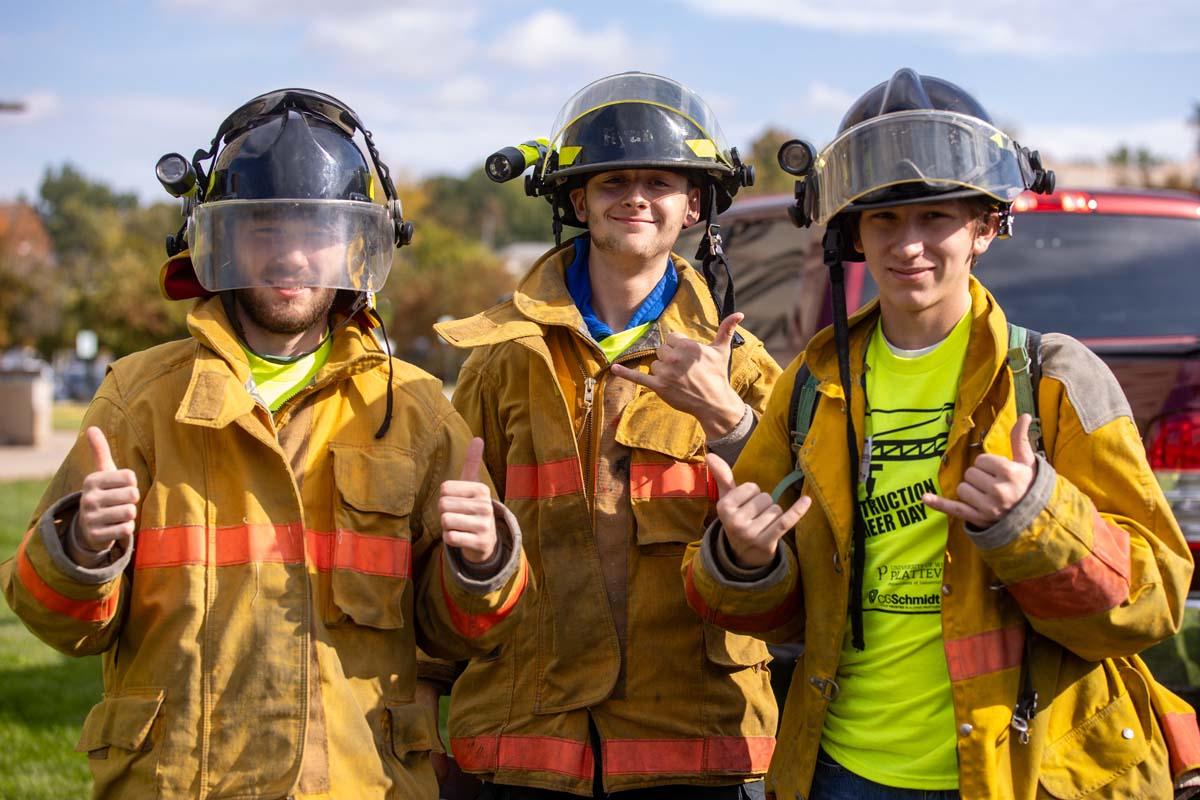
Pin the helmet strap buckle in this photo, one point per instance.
(713, 235)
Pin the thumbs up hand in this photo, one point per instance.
(753, 523)
(993, 484)
(693, 377)
(468, 520)
(108, 505)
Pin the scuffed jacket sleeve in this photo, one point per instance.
(74, 609)
(463, 610)
(767, 604)
(753, 374)
(1092, 553)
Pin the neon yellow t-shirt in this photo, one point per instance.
(893, 720)
(276, 383)
(619, 342)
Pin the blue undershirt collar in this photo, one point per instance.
(579, 285)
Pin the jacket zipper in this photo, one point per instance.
(590, 384)
(589, 399)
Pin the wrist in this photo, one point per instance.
(81, 552)
(749, 558)
(723, 418)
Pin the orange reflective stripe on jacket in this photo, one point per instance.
(187, 545)
(98, 610)
(541, 753)
(990, 651)
(734, 754)
(679, 479)
(1183, 740)
(766, 621)
(538, 481)
(1093, 584)
(473, 626)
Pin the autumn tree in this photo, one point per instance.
(442, 273)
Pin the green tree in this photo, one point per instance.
(494, 214)
(30, 301)
(109, 251)
(441, 273)
(764, 155)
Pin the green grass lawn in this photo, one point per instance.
(66, 415)
(44, 696)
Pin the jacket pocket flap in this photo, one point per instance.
(375, 478)
(1097, 751)
(413, 730)
(648, 423)
(733, 650)
(122, 721)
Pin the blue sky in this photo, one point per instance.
(110, 86)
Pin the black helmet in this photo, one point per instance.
(626, 121)
(288, 158)
(638, 120)
(291, 155)
(911, 139)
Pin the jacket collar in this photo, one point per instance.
(219, 388)
(542, 300)
(987, 348)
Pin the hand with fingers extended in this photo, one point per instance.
(693, 377)
(753, 522)
(993, 484)
(108, 504)
(468, 518)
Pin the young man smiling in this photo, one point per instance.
(970, 603)
(599, 388)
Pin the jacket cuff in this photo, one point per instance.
(1021, 516)
(493, 574)
(729, 446)
(435, 670)
(718, 563)
(57, 523)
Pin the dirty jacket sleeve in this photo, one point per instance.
(767, 604)
(75, 609)
(1092, 553)
(463, 610)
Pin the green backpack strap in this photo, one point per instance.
(1025, 363)
(800, 416)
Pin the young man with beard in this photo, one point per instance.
(263, 522)
(599, 388)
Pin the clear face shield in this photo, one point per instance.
(943, 150)
(700, 141)
(332, 244)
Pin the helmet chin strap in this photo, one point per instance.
(832, 245)
(712, 250)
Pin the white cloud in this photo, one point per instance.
(403, 41)
(1172, 138)
(1032, 28)
(821, 98)
(549, 39)
(463, 90)
(38, 106)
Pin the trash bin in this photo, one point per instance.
(26, 395)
